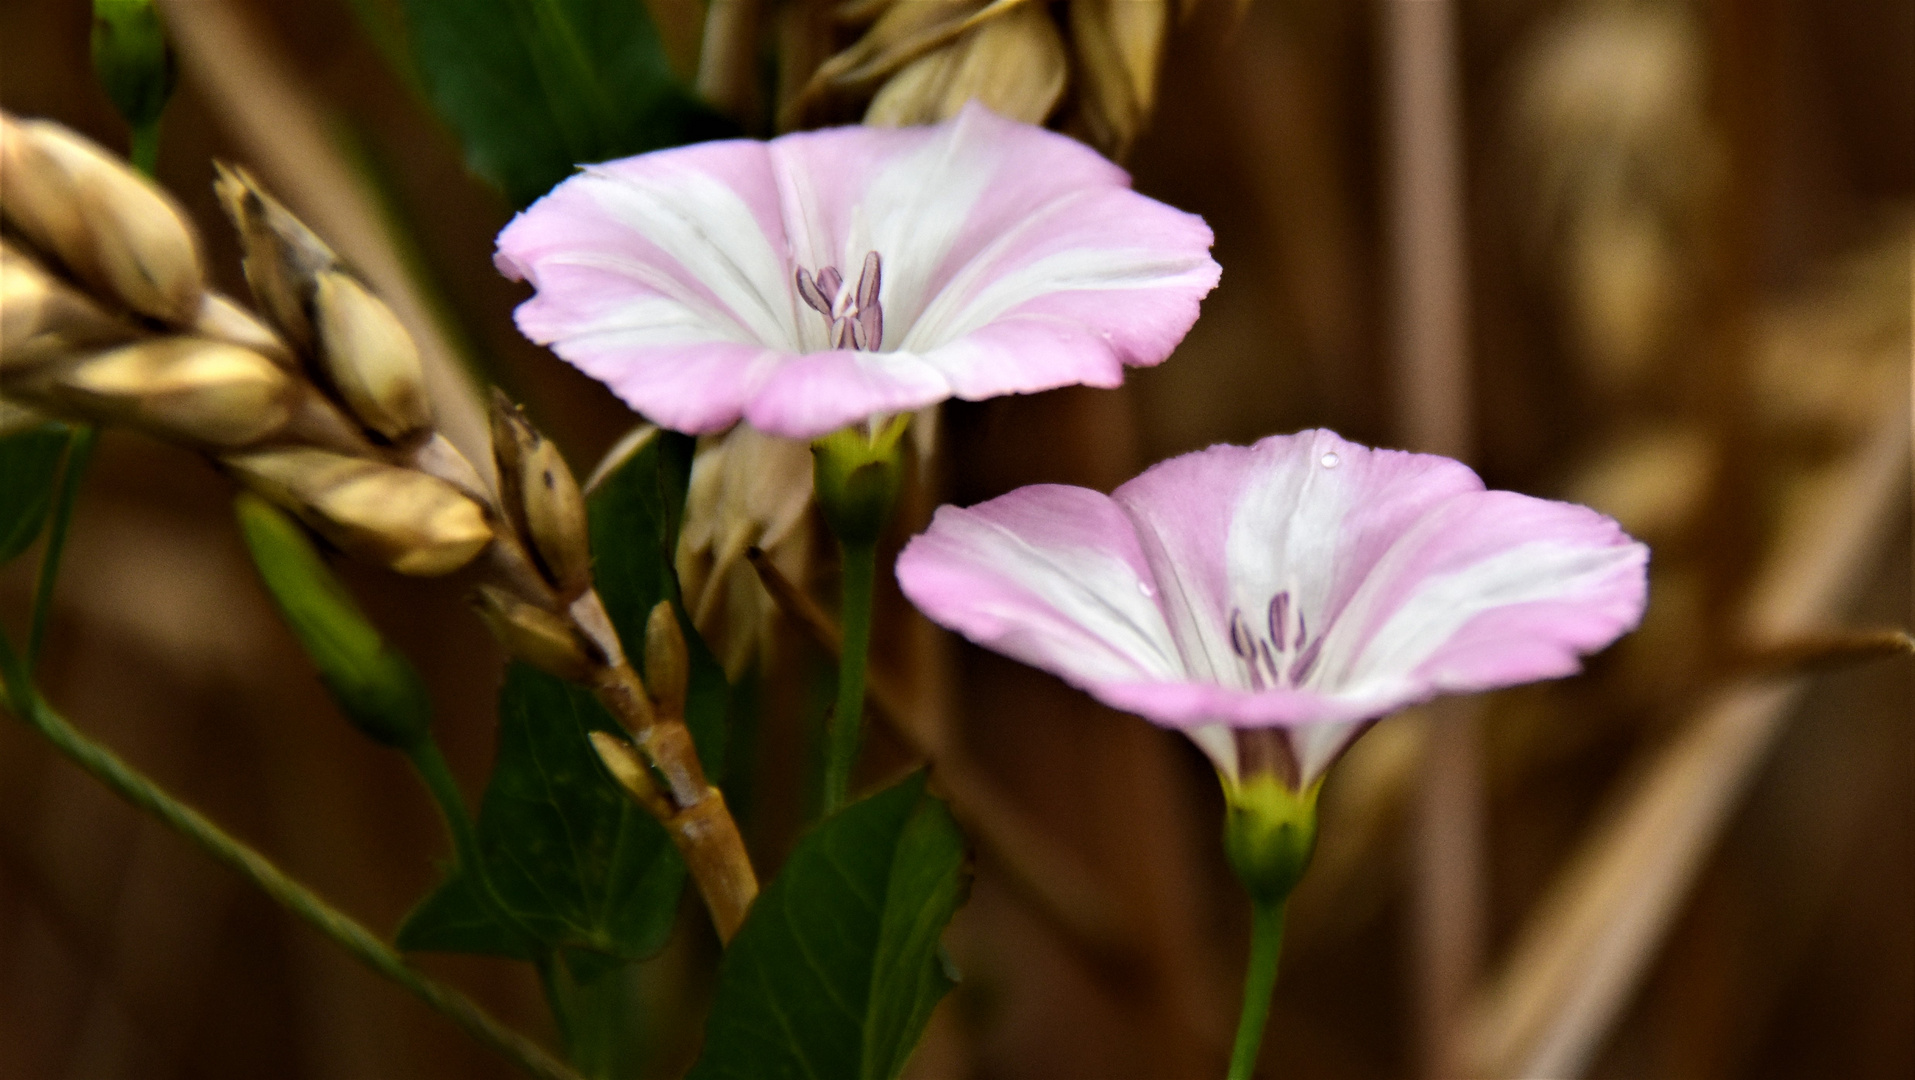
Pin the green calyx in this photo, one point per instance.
(133, 60)
(856, 472)
(1269, 834)
(372, 683)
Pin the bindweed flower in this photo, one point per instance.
(826, 277)
(1271, 601)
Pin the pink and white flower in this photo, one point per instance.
(826, 277)
(1305, 585)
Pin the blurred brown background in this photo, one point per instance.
(1689, 248)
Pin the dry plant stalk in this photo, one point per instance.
(1594, 934)
(321, 407)
(919, 61)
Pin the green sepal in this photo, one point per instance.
(377, 688)
(856, 473)
(1269, 834)
(133, 60)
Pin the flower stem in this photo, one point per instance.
(144, 150)
(436, 775)
(842, 733)
(133, 786)
(79, 452)
(1266, 944)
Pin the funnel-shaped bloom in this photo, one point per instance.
(1305, 584)
(825, 277)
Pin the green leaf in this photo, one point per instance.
(374, 685)
(570, 862)
(536, 87)
(29, 465)
(837, 968)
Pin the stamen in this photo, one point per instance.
(1279, 618)
(832, 283)
(851, 322)
(813, 296)
(1300, 670)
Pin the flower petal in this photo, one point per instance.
(1307, 514)
(1490, 589)
(1050, 575)
(645, 264)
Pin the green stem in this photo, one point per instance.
(1266, 944)
(79, 452)
(843, 729)
(365, 946)
(433, 771)
(144, 151)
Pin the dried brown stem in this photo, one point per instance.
(694, 813)
(1433, 394)
(1591, 939)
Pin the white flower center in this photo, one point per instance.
(854, 319)
(1281, 653)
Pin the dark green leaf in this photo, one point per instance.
(29, 465)
(837, 968)
(536, 87)
(573, 864)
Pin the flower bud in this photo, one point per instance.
(369, 357)
(373, 684)
(401, 519)
(43, 318)
(280, 255)
(667, 661)
(132, 59)
(113, 228)
(532, 634)
(1270, 832)
(856, 477)
(629, 770)
(542, 499)
(182, 389)
(221, 319)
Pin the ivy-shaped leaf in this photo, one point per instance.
(29, 467)
(536, 87)
(570, 863)
(837, 968)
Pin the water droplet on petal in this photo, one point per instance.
(1144, 587)
(1331, 460)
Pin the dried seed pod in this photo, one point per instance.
(542, 499)
(281, 256)
(401, 519)
(43, 318)
(369, 357)
(668, 663)
(17, 418)
(532, 634)
(747, 489)
(183, 389)
(113, 228)
(221, 319)
(1015, 64)
(1119, 44)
